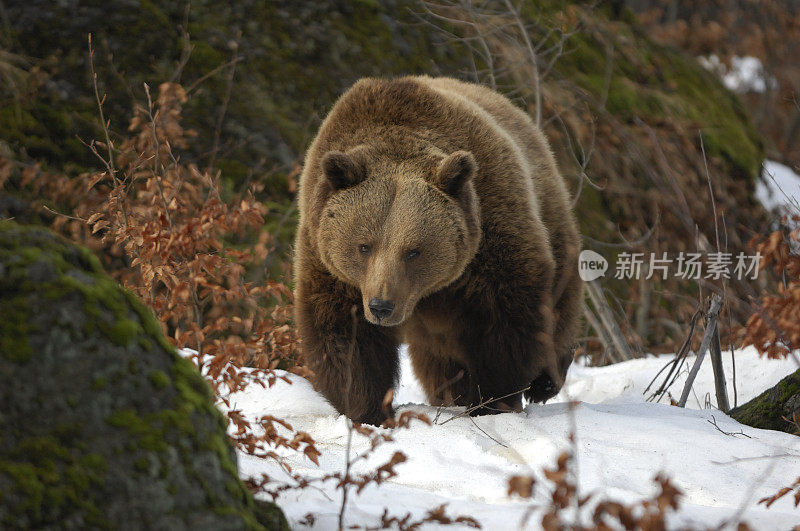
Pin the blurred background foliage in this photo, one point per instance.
(643, 133)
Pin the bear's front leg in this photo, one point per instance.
(506, 336)
(354, 362)
(506, 361)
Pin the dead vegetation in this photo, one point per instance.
(774, 328)
(767, 30)
(564, 506)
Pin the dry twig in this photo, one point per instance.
(711, 330)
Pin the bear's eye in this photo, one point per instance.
(364, 249)
(410, 255)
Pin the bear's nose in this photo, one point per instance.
(380, 308)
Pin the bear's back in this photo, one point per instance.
(445, 116)
(551, 193)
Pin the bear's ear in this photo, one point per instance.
(342, 170)
(454, 172)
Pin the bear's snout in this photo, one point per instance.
(381, 309)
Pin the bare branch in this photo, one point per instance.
(157, 168)
(533, 59)
(719, 373)
(711, 327)
(608, 322)
(225, 101)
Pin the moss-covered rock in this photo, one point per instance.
(102, 424)
(292, 60)
(770, 409)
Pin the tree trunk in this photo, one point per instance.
(770, 409)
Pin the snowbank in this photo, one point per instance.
(746, 74)
(622, 442)
(779, 188)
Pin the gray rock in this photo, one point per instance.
(102, 424)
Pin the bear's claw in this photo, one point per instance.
(542, 389)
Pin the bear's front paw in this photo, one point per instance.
(376, 419)
(542, 389)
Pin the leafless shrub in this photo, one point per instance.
(647, 515)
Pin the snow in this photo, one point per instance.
(622, 442)
(746, 74)
(779, 188)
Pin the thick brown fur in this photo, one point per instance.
(443, 198)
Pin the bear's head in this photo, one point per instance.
(398, 231)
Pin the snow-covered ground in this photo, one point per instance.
(779, 188)
(622, 443)
(746, 74)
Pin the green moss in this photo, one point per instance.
(94, 462)
(732, 144)
(624, 99)
(145, 343)
(25, 480)
(142, 464)
(45, 129)
(768, 410)
(150, 325)
(99, 292)
(726, 128)
(123, 331)
(654, 82)
(31, 254)
(47, 476)
(234, 488)
(148, 433)
(175, 419)
(270, 516)
(193, 390)
(151, 431)
(220, 445)
(99, 383)
(14, 330)
(789, 387)
(585, 56)
(159, 379)
(195, 395)
(127, 419)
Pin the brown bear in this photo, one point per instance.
(432, 213)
